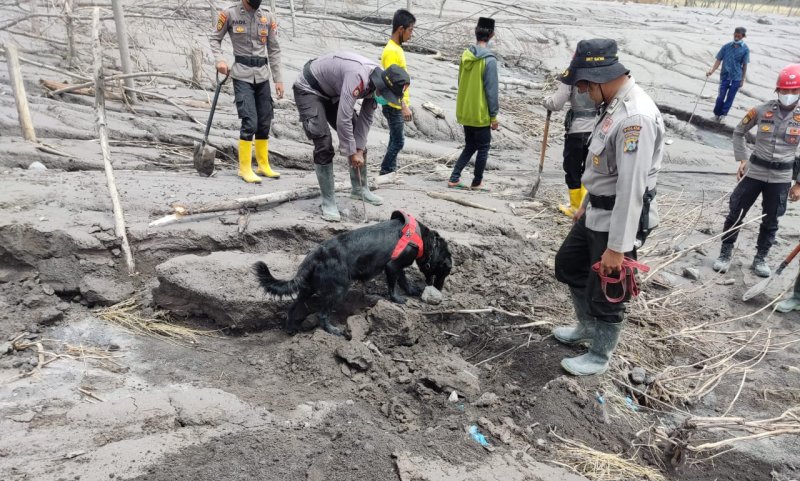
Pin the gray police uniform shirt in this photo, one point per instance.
(776, 141)
(624, 159)
(344, 79)
(581, 104)
(253, 34)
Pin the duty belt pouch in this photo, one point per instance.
(568, 119)
(644, 218)
(312, 81)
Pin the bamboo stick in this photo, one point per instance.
(102, 131)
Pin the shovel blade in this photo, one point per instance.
(204, 158)
(757, 289)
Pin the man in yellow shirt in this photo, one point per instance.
(402, 29)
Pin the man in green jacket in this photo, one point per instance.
(477, 104)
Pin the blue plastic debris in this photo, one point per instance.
(599, 398)
(631, 404)
(477, 436)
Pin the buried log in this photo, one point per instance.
(102, 132)
(181, 211)
(466, 203)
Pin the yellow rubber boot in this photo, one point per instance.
(246, 162)
(262, 158)
(574, 203)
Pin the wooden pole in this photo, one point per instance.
(441, 8)
(294, 26)
(102, 132)
(272, 7)
(34, 20)
(197, 66)
(122, 40)
(15, 76)
(70, 33)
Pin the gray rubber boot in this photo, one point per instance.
(760, 266)
(357, 189)
(325, 178)
(584, 330)
(790, 304)
(723, 262)
(596, 360)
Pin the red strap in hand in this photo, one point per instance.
(626, 277)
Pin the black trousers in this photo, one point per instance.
(576, 149)
(580, 250)
(477, 139)
(773, 206)
(318, 115)
(254, 105)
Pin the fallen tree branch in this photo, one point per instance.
(477, 311)
(466, 203)
(50, 67)
(165, 99)
(182, 210)
(69, 88)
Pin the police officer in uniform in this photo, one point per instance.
(618, 212)
(326, 94)
(578, 125)
(767, 171)
(254, 35)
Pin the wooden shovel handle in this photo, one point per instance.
(544, 140)
(793, 254)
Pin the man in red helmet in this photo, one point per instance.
(768, 171)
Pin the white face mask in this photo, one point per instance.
(788, 99)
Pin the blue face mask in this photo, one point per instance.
(738, 42)
(381, 100)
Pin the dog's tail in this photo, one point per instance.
(277, 287)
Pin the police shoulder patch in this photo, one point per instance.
(631, 145)
(221, 19)
(750, 115)
(358, 90)
(630, 141)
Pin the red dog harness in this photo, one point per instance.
(627, 277)
(409, 235)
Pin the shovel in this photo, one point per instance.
(203, 154)
(762, 286)
(541, 158)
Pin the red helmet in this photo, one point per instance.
(789, 78)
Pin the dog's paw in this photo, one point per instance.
(397, 299)
(330, 328)
(414, 291)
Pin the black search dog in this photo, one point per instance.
(359, 255)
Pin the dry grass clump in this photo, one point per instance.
(129, 316)
(602, 466)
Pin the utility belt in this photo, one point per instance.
(773, 165)
(572, 115)
(606, 202)
(312, 81)
(250, 61)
